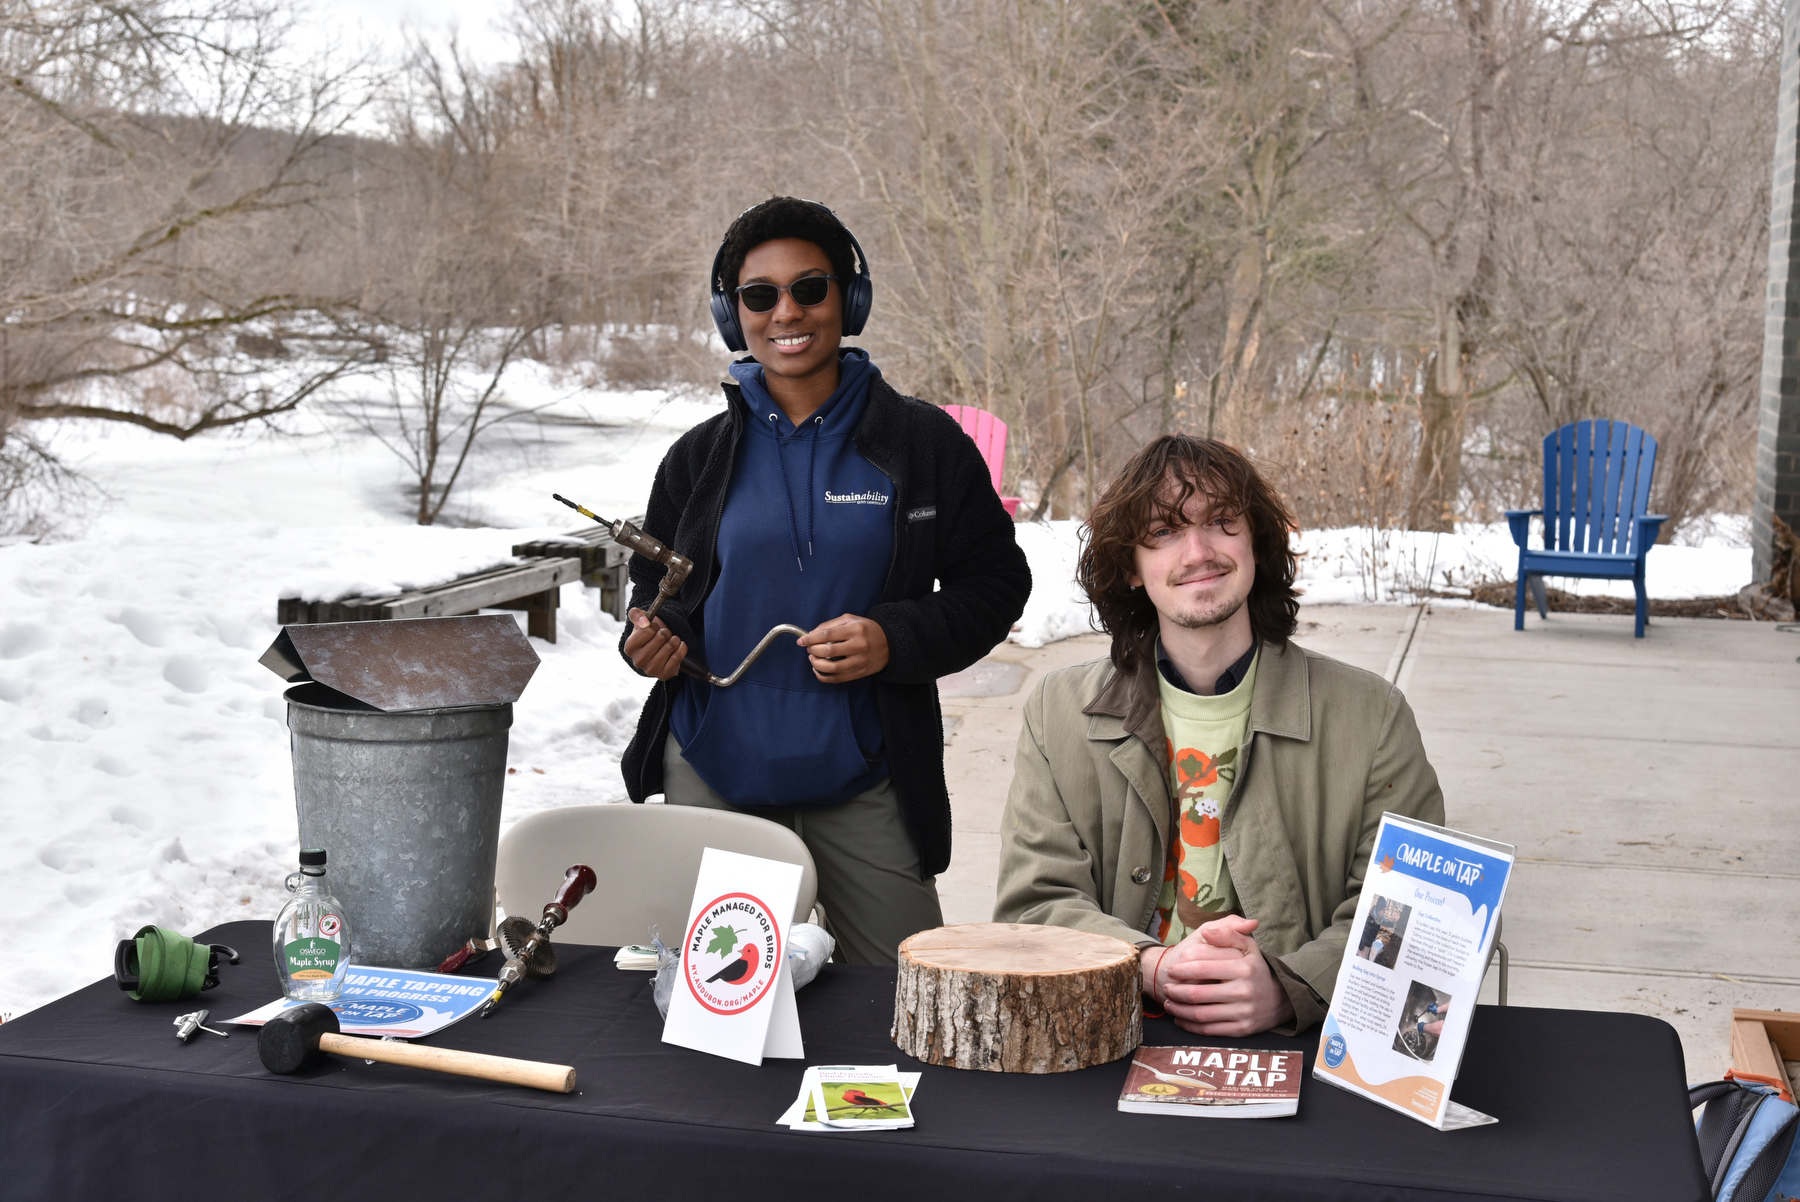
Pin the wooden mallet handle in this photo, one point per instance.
(533, 1074)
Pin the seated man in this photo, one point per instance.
(1209, 792)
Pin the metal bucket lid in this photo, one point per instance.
(406, 665)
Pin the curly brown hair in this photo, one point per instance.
(1154, 489)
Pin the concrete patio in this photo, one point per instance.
(1650, 786)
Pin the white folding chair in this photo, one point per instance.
(645, 857)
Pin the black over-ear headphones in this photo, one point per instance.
(859, 292)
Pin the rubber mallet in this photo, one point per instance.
(298, 1037)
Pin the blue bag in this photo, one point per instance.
(1746, 1138)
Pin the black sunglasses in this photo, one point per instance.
(807, 291)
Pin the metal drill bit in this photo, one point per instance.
(583, 510)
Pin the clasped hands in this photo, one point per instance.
(1216, 981)
(842, 649)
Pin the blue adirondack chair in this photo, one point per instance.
(1596, 488)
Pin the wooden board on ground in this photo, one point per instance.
(1016, 998)
(1761, 1040)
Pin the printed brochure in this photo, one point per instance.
(1417, 953)
(1226, 1083)
(852, 1096)
(402, 1002)
(803, 1115)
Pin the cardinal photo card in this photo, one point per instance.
(802, 1115)
(852, 1096)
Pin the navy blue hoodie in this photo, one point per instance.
(807, 534)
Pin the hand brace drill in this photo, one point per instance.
(675, 574)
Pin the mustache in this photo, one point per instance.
(1211, 565)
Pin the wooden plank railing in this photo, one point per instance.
(603, 561)
(532, 585)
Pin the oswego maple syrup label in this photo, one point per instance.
(312, 958)
(733, 954)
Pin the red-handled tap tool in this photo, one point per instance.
(577, 883)
(474, 949)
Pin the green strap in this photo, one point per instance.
(169, 965)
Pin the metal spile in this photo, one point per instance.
(577, 883)
(187, 1024)
(677, 569)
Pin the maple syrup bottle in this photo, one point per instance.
(312, 935)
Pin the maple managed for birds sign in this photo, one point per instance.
(738, 930)
(734, 997)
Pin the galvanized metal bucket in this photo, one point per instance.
(408, 806)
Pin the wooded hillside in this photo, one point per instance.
(1385, 244)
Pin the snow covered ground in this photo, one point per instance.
(144, 770)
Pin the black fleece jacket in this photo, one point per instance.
(949, 528)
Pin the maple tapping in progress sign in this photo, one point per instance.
(733, 996)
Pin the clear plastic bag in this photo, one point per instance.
(667, 964)
(809, 946)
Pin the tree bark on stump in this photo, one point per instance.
(1016, 998)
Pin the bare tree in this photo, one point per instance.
(152, 153)
(460, 295)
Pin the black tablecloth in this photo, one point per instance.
(98, 1100)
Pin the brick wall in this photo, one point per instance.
(1778, 430)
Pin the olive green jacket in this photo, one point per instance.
(1086, 830)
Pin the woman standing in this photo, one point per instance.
(823, 498)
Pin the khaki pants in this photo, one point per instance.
(869, 886)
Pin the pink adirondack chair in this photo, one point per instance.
(989, 433)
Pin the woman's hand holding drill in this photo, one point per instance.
(652, 647)
(846, 648)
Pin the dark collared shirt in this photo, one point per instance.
(1228, 680)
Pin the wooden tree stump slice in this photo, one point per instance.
(1013, 997)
